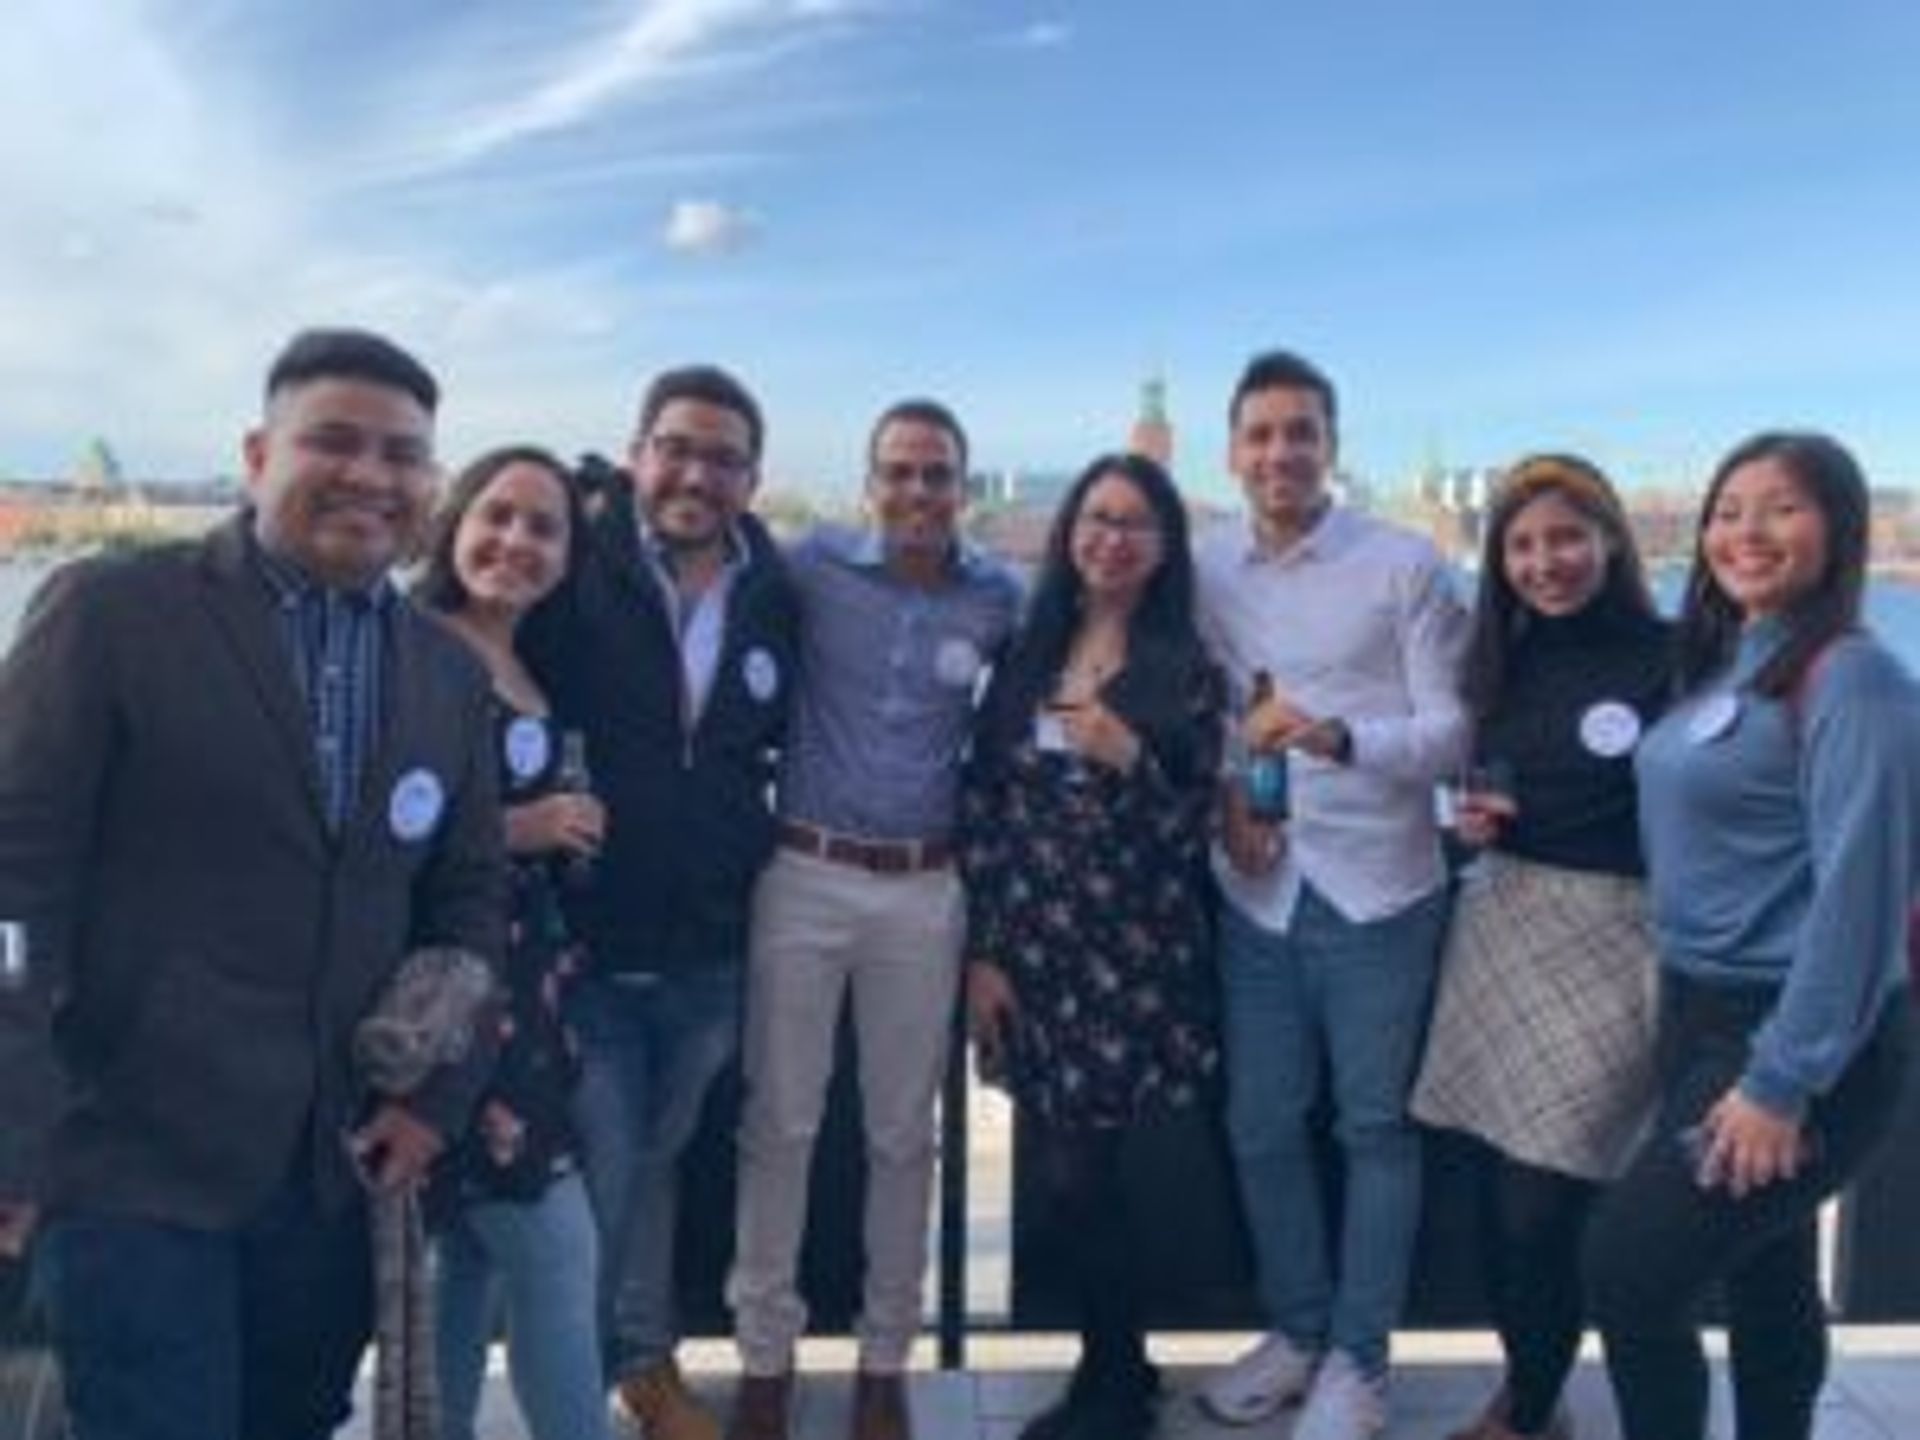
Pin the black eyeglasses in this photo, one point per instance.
(683, 452)
(1138, 528)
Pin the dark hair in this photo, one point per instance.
(438, 586)
(347, 354)
(923, 412)
(1501, 619)
(1710, 621)
(1161, 627)
(710, 385)
(1284, 370)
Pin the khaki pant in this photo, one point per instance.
(820, 928)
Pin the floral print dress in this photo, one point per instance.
(1088, 887)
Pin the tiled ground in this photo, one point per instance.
(1441, 1381)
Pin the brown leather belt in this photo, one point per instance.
(882, 857)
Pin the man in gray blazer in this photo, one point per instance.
(239, 780)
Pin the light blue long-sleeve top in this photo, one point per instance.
(1783, 846)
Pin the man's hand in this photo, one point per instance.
(1253, 846)
(1276, 723)
(395, 1149)
(17, 1221)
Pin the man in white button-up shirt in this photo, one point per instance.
(1334, 915)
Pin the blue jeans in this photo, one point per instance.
(1330, 997)
(539, 1258)
(170, 1333)
(650, 1050)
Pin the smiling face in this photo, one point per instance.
(341, 474)
(694, 472)
(510, 548)
(1116, 543)
(1554, 555)
(1764, 539)
(916, 488)
(1282, 452)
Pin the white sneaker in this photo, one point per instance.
(1343, 1404)
(1274, 1373)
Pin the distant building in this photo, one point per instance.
(1020, 489)
(97, 472)
(1152, 433)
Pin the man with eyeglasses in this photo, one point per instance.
(240, 777)
(899, 623)
(673, 647)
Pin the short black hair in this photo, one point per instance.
(710, 385)
(1284, 370)
(343, 353)
(920, 411)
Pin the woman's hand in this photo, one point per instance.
(1478, 817)
(992, 1011)
(1748, 1146)
(1099, 734)
(573, 824)
(502, 1132)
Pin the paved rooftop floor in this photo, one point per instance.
(1440, 1381)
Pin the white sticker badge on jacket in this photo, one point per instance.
(415, 806)
(957, 662)
(1610, 729)
(761, 672)
(528, 748)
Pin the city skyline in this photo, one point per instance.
(1639, 232)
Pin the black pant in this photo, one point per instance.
(1658, 1241)
(1530, 1227)
(1080, 1172)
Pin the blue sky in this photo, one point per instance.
(1638, 230)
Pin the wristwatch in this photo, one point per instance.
(1341, 750)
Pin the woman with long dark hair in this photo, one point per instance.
(1541, 1047)
(1084, 839)
(1780, 810)
(514, 1223)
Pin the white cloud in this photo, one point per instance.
(1040, 35)
(660, 40)
(173, 218)
(707, 227)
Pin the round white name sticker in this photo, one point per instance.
(761, 672)
(1610, 729)
(415, 805)
(528, 748)
(957, 662)
(1715, 716)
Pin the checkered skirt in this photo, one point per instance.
(1543, 1029)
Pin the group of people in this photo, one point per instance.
(1166, 822)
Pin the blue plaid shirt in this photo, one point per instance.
(337, 640)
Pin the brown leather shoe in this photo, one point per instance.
(880, 1408)
(761, 1406)
(1492, 1424)
(663, 1408)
